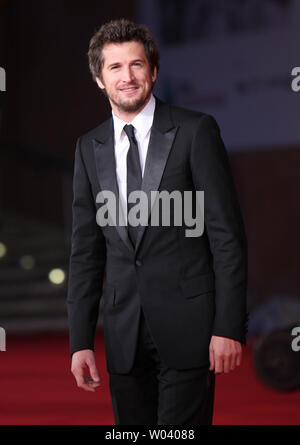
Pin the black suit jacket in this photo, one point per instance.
(189, 288)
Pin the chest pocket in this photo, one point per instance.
(173, 171)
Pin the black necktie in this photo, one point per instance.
(134, 175)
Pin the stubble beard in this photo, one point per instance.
(130, 106)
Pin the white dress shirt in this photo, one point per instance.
(142, 124)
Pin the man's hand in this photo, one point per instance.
(224, 354)
(80, 361)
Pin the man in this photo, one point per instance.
(174, 305)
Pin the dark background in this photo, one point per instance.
(50, 98)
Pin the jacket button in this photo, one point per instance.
(138, 263)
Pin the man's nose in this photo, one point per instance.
(127, 74)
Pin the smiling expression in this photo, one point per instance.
(126, 78)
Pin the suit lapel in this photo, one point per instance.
(106, 172)
(162, 136)
(161, 140)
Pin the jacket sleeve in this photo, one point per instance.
(87, 261)
(224, 227)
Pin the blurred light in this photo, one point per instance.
(27, 262)
(56, 276)
(2, 250)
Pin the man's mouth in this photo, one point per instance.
(131, 89)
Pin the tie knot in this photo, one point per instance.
(129, 130)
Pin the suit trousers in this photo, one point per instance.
(153, 394)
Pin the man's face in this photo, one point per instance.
(126, 77)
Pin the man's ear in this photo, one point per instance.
(100, 84)
(154, 74)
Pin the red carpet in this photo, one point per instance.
(37, 388)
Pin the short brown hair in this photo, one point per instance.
(119, 31)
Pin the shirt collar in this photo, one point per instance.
(142, 122)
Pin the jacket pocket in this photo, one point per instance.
(198, 285)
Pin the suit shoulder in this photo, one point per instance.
(95, 133)
(182, 115)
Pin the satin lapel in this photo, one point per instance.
(106, 171)
(159, 148)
